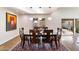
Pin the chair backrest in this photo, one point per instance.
(34, 33)
(59, 32)
(21, 32)
(45, 28)
(48, 33)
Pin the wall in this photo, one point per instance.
(60, 13)
(27, 23)
(5, 36)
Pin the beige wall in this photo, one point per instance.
(27, 23)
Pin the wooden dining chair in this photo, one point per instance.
(34, 39)
(58, 37)
(48, 38)
(23, 38)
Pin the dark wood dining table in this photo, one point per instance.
(42, 35)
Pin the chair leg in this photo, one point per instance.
(28, 43)
(22, 43)
(38, 45)
(56, 44)
(43, 45)
(59, 43)
(51, 44)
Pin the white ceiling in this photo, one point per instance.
(33, 10)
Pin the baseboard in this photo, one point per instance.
(7, 45)
(66, 47)
(10, 40)
(14, 46)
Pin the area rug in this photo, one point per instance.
(35, 47)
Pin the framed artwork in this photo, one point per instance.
(11, 22)
(42, 22)
(35, 22)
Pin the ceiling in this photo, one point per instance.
(33, 10)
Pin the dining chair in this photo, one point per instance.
(48, 38)
(23, 38)
(34, 39)
(58, 37)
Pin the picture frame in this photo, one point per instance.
(11, 21)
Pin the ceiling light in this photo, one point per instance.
(31, 18)
(30, 7)
(49, 7)
(40, 7)
(35, 21)
(40, 18)
(49, 18)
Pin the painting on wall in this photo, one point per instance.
(42, 22)
(35, 22)
(11, 21)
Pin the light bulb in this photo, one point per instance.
(49, 18)
(40, 18)
(31, 18)
(35, 21)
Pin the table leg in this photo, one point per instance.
(56, 43)
(41, 44)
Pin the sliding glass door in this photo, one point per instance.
(67, 26)
(70, 28)
(67, 31)
(77, 30)
(77, 25)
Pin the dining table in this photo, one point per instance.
(41, 37)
